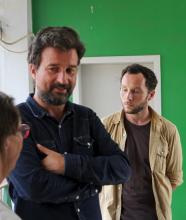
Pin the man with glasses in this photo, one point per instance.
(12, 134)
(69, 155)
(153, 147)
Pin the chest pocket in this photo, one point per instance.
(84, 145)
(161, 158)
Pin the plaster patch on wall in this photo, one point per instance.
(92, 9)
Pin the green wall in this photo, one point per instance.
(125, 27)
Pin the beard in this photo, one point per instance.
(56, 99)
(136, 109)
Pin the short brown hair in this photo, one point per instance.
(150, 77)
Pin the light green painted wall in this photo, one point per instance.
(125, 27)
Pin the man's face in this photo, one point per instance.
(134, 93)
(55, 78)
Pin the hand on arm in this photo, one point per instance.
(34, 182)
(53, 162)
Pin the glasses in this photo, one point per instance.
(25, 130)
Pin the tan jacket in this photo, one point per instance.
(165, 156)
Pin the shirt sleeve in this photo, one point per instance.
(174, 158)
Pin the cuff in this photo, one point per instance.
(72, 165)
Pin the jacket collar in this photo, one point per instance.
(119, 117)
(156, 120)
(155, 117)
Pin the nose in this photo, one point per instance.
(62, 77)
(129, 96)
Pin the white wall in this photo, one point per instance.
(15, 19)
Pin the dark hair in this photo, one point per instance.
(9, 118)
(149, 75)
(64, 38)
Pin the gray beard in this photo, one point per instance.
(50, 99)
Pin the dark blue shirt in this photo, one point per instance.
(92, 159)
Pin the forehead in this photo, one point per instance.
(133, 80)
(55, 55)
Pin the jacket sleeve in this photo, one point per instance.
(174, 158)
(32, 182)
(109, 165)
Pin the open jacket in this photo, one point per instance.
(165, 156)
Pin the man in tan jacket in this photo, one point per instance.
(153, 146)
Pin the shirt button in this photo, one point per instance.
(96, 191)
(78, 210)
(65, 152)
(77, 197)
(59, 126)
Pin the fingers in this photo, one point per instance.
(43, 149)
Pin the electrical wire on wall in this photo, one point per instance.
(3, 42)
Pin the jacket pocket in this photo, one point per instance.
(84, 145)
(161, 157)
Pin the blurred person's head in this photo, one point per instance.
(11, 137)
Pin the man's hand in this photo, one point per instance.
(53, 161)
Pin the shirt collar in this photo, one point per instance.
(40, 112)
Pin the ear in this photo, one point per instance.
(32, 70)
(151, 95)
